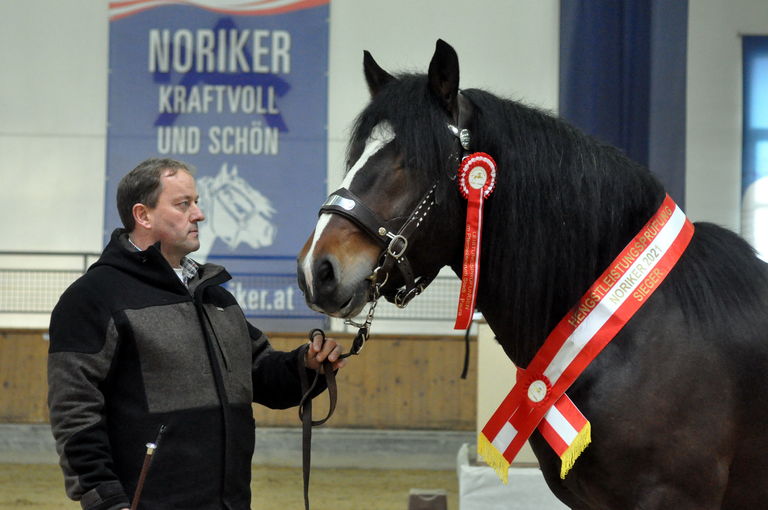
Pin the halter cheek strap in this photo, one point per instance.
(394, 255)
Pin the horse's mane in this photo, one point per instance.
(565, 204)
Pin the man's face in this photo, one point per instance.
(174, 219)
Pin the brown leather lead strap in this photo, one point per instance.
(305, 409)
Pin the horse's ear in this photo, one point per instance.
(444, 75)
(375, 76)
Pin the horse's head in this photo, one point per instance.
(389, 227)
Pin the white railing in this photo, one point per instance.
(31, 283)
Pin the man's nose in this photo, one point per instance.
(197, 214)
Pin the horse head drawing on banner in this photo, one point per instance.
(235, 211)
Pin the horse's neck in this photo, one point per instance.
(520, 353)
(523, 294)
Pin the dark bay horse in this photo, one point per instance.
(678, 401)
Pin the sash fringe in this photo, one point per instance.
(579, 444)
(493, 457)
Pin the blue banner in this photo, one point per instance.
(239, 92)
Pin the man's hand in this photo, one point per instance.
(320, 351)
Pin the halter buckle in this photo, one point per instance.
(391, 248)
(403, 296)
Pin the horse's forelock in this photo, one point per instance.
(420, 124)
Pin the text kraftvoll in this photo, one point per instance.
(248, 99)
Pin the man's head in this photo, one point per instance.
(157, 201)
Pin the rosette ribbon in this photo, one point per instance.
(477, 179)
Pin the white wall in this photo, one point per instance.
(53, 97)
(713, 166)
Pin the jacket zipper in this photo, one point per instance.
(222, 349)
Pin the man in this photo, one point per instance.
(148, 338)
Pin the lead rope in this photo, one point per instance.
(465, 368)
(305, 408)
(305, 404)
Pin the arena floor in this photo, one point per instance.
(343, 477)
(40, 487)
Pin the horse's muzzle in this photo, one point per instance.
(326, 292)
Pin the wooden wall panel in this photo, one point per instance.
(24, 389)
(396, 382)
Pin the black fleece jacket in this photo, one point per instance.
(132, 349)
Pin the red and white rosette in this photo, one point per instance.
(477, 179)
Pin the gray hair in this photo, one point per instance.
(143, 185)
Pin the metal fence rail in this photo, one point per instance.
(437, 303)
(32, 291)
(31, 282)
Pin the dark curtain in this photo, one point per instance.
(623, 79)
(755, 97)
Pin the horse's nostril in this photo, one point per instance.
(325, 273)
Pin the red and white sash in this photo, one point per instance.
(538, 397)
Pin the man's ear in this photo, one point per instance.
(141, 215)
